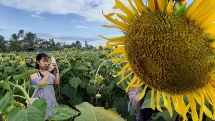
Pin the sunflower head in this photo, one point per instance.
(101, 48)
(168, 47)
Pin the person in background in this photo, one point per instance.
(140, 114)
(47, 73)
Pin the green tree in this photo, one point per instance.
(3, 47)
(14, 43)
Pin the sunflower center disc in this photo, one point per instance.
(169, 52)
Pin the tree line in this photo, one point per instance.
(30, 41)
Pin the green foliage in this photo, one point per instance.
(5, 100)
(84, 77)
(35, 112)
(62, 112)
(90, 113)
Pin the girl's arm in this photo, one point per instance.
(57, 77)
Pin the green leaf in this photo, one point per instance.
(25, 74)
(35, 112)
(111, 85)
(82, 68)
(76, 100)
(177, 5)
(91, 89)
(165, 115)
(6, 86)
(65, 71)
(42, 85)
(62, 112)
(147, 100)
(92, 72)
(83, 85)
(69, 90)
(75, 82)
(5, 100)
(181, 10)
(90, 113)
(10, 69)
(121, 106)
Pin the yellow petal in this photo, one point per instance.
(122, 70)
(212, 44)
(210, 29)
(169, 7)
(183, 2)
(206, 96)
(193, 7)
(116, 39)
(140, 6)
(124, 78)
(158, 102)
(115, 21)
(116, 60)
(161, 5)
(139, 84)
(152, 104)
(117, 50)
(185, 112)
(125, 9)
(180, 100)
(132, 6)
(193, 107)
(110, 45)
(204, 8)
(167, 103)
(175, 104)
(200, 100)
(124, 18)
(114, 26)
(210, 92)
(202, 19)
(205, 109)
(211, 36)
(151, 4)
(142, 94)
(131, 83)
(209, 21)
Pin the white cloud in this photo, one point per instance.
(91, 10)
(82, 27)
(37, 16)
(92, 40)
(12, 27)
(74, 21)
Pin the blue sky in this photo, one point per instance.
(62, 20)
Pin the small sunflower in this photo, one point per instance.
(169, 49)
(101, 48)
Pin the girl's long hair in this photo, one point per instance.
(39, 57)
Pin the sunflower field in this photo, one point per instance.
(86, 76)
(167, 46)
(88, 86)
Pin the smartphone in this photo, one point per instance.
(53, 60)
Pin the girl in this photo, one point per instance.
(44, 75)
(140, 114)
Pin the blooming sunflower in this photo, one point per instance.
(170, 49)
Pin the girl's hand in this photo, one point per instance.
(51, 67)
(56, 68)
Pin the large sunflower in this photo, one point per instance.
(169, 48)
